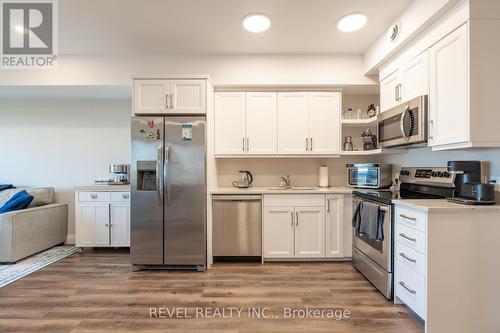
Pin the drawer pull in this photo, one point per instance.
(407, 258)
(408, 217)
(93, 196)
(125, 196)
(408, 237)
(411, 291)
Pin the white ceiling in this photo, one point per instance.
(214, 26)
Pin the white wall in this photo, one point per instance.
(62, 143)
(223, 69)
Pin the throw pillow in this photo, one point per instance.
(20, 200)
(5, 186)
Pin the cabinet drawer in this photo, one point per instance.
(410, 257)
(410, 237)
(94, 196)
(120, 196)
(411, 217)
(410, 288)
(304, 200)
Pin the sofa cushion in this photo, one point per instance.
(20, 200)
(42, 195)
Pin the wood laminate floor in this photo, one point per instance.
(97, 292)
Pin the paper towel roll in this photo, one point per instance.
(323, 176)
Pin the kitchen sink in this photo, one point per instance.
(293, 188)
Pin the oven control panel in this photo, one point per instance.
(426, 175)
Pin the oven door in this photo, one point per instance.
(403, 125)
(378, 251)
(367, 177)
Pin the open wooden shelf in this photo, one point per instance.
(359, 122)
(378, 151)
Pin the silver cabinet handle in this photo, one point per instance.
(172, 101)
(243, 145)
(408, 237)
(411, 291)
(408, 217)
(248, 144)
(431, 129)
(296, 218)
(307, 144)
(166, 101)
(396, 93)
(125, 196)
(328, 205)
(402, 254)
(291, 215)
(93, 196)
(310, 144)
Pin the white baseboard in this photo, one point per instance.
(70, 239)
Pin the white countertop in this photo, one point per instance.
(444, 206)
(275, 190)
(102, 187)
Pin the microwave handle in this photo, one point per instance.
(401, 122)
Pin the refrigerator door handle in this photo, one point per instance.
(159, 185)
(165, 175)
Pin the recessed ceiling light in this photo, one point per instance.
(351, 22)
(256, 22)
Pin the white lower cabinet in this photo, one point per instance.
(279, 230)
(410, 259)
(299, 226)
(309, 232)
(102, 219)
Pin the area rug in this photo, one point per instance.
(11, 273)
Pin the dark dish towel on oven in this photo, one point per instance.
(371, 221)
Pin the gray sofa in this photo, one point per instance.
(28, 231)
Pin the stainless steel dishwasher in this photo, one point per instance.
(237, 227)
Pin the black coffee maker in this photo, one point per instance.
(468, 186)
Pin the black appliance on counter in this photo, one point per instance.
(374, 258)
(468, 186)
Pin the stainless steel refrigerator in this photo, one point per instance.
(168, 192)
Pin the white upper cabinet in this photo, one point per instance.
(293, 119)
(449, 95)
(390, 87)
(188, 96)
(230, 123)
(324, 115)
(150, 96)
(309, 232)
(261, 117)
(415, 77)
(185, 96)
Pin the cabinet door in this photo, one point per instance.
(278, 232)
(309, 232)
(188, 96)
(415, 77)
(334, 226)
(92, 225)
(449, 93)
(389, 87)
(120, 224)
(261, 116)
(150, 96)
(230, 123)
(293, 118)
(324, 123)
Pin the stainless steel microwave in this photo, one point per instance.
(369, 175)
(405, 124)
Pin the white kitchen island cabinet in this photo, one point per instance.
(102, 218)
(444, 258)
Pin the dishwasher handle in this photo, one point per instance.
(236, 198)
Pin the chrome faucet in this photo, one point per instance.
(285, 181)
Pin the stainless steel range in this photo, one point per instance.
(374, 258)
